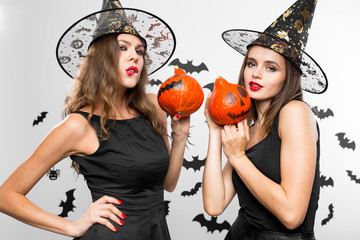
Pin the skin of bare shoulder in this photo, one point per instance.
(297, 130)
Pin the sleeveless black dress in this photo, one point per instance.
(131, 166)
(265, 155)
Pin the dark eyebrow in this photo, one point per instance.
(128, 43)
(268, 62)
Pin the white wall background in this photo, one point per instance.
(32, 82)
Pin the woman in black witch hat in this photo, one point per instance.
(273, 156)
(115, 134)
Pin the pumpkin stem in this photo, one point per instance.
(179, 71)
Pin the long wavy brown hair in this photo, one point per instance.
(291, 90)
(97, 85)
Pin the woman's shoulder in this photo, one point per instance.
(76, 124)
(296, 115)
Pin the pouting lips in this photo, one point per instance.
(131, 70)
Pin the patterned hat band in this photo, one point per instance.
(287, 50)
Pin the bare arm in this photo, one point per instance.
(289, 200)
(218, 189)
(180, 128)
(67, 138)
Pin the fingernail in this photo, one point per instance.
(115, 229)
(121, 223)
(123, 216)
(119, 201)
(177, 116)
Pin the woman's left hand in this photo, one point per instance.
(180, 126)
(234, 139)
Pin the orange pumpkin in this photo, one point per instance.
(229, 103)
(180, 94)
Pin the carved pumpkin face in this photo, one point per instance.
(229, 103)
(180, 94)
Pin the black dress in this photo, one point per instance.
(131, 166)
(265, 155)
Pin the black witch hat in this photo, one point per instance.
(155, 33)
(288, 36)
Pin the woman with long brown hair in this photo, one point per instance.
(114, 132)
(273, 155)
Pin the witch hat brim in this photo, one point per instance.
(73, 45)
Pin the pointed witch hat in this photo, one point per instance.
(155, 33)
(288, 36)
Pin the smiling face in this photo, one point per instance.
(264, 73)
(131, 59)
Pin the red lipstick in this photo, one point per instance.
(254, 86)
(131, 70)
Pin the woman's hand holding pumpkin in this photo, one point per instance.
(180, 126)
(211, 124)
(234, 139)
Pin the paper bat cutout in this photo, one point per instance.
(196, 164)
(326, 182)
(193, 191)
(166, 207)
(189, 67)
(353, 177)
(209, 86)
(330, 215)
(345, 142)
(39, 118)
(211, 225)
(155, 82)
(320, 113)
(68, 204)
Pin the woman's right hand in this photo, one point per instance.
(99, 212)
(211, 124)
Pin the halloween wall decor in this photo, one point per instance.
(211, 225)
(193, 191)
(344, 142)
(166, 207)
(325, 182)
(189, 67)
(229, 103)
(155, 82)
(39, 118)
(68, 204)
(209, 86)
(180, 94)
(53, 174)
(195, 164)
(330, 215)
(321, 113)
(353, 177)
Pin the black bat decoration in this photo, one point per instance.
(353, 177)
(40, 118)
(68, 204)
(189, 67)
(326, 182)
(345, 142)
(196, 164)
(330, 215)
(193, 191)
(166, 207)
(209, 86)
(155, 82)
(211, 225)
(320, 113)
